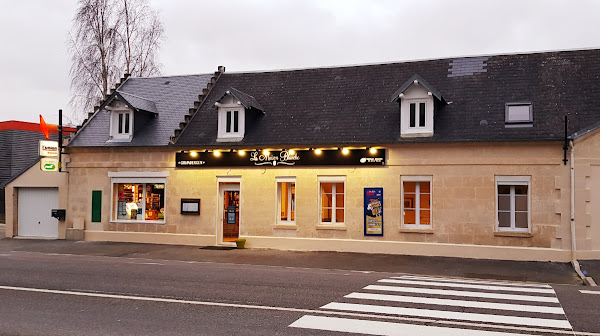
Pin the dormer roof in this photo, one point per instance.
(417, 79)
(138, 103)
(245, 99)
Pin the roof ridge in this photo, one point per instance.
(343, 66)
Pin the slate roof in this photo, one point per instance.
(351, 105)
(168, 97)
(245, 99)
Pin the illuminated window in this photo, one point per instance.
(416, 201)
(512, 203)
(286, 200)
(138, 200)
(332, 199)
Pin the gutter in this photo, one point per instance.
(586, 280)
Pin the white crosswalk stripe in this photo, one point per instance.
(445, 306)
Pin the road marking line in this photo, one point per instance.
(501, 283)
(463, 293)
(589, 292)
(516, 320)
(146, 263)
(457, 303)
(484, 287)
(384, 328)
(296, 310)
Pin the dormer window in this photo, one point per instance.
(231, 120)
(234, 109)
(417, 103)
(121, 122)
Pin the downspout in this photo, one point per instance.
(588, 281)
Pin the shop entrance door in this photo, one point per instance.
(230, 212)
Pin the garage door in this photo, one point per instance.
(35, 206)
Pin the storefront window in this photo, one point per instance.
(416, 202)
(332, 202)
(139, 201)
(287, 201)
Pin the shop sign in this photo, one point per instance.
(48, 148)
(373, 203)
(48, 164)
(285, 158)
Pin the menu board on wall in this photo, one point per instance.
(373, 203)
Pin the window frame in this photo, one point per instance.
(291, 205)
(115, 135)
(518, 123)
(417, 225)
(227, 121)
(513, 181)
(136, 180)
(418, 120)
(333, 180)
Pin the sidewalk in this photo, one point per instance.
(547, 272)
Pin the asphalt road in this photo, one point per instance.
(57, 294)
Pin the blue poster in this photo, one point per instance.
(231, 214)
(373, 211)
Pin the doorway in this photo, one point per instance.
(230, 212)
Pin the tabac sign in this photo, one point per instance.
(283, 158)
(48, 148)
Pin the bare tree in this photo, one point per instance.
(141, 37)
(110, 38)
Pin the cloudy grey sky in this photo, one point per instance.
(246, 35)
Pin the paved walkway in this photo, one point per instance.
(547, 272)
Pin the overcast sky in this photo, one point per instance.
(246, 35)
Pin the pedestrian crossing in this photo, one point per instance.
(422, 305)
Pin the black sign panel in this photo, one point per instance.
(325, 157)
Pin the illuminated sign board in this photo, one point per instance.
(48, 148)
(48, 164)
(284, 158)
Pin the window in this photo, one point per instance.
(231, 124)
(286, 200)
(512, 203)
(519, 115)
(141, 199)
(332, 200)
(416, 201)
(121, 125)
(417, 115)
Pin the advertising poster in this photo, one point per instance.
(373, 211)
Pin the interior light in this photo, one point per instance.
(373, 150)
(193, 153)
(217, 153)
(345, 151)
(241, 153)
(266, 152)
(318, 151)
(292, 152)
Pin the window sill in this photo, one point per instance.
(423, 134)
(339, 227)
(137, 221)
(415, 230)
(513, 234)
(230, 139)
(285, 227)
